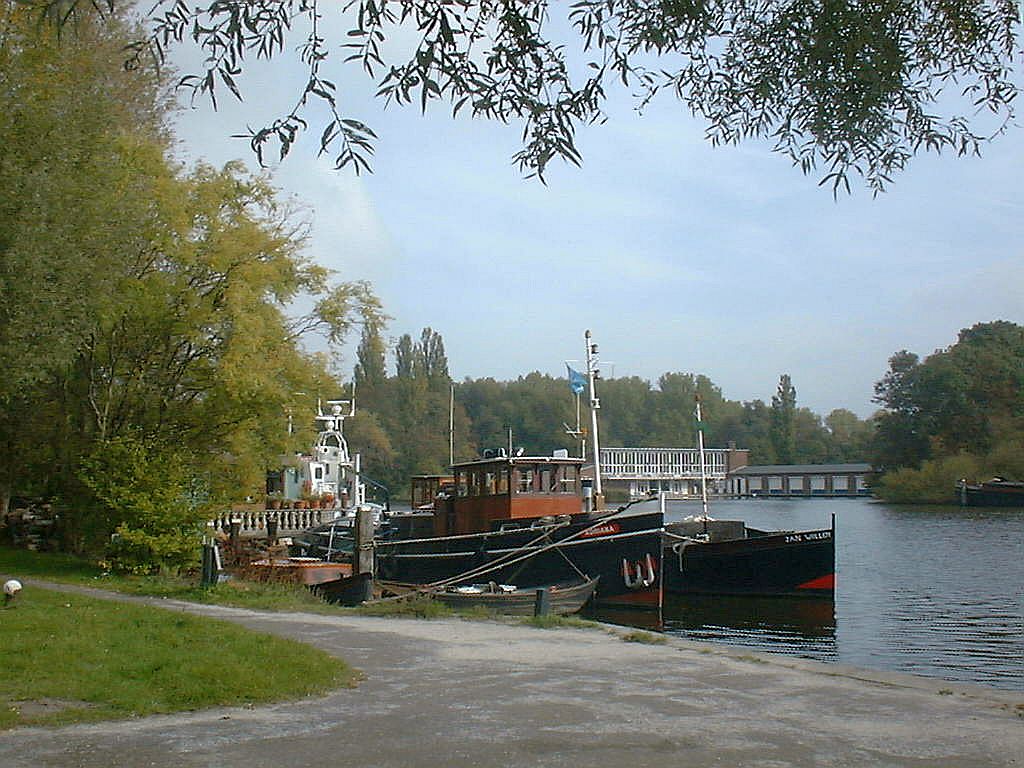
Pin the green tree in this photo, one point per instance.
(959, 411)
(405, 357)
(849, 436)
(844, 87)
(783, 429)
(430, 360)
(176, 333)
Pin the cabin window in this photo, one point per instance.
(568, 479)
(547, 481)
(318, 473)
(525, 480)
(488, 484)
(502, 482)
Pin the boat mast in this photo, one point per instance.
(451, 424)
(594, 405)
(703, 469)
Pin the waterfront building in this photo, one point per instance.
(637, 472)
(796, 480)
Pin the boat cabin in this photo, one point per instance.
(425, 488)
(487, 492)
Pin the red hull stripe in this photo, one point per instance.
(822, 582)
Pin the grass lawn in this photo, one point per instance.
(241, 594)
(70, 658)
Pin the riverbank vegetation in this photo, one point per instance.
(70, 658)
(957, 414)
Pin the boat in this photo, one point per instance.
(997, 492)
(527, 520)
(564, 599)
(726, 557)
(329, 474)
(524, 520)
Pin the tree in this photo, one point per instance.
(844, 87)
(430, 359)
(146, 314)
(371, 370)
(783, 430)
(963, 399)
(405, 357)
(849, 436)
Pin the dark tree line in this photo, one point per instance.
(402, 424)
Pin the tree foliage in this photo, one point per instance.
(402, 425)
(966, 400)
(840, 87)
(148, 321)
(784, 415)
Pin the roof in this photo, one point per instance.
(517, 460)
(803, 469)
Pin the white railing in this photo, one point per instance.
(663, 463)
(289, 521)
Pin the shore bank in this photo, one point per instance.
(475, 693)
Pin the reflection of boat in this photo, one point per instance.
(725, 557)
(997, 492)
(728, 617)
(513, 601)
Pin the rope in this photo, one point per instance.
(505, 561)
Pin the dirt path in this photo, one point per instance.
(461, 693)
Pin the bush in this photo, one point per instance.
(934, 483)
(145, 499)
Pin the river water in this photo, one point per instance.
(934, 591)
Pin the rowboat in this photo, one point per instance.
(505, 599)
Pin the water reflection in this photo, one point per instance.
(796, 626)
(931, 591)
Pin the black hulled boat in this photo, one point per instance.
(521, 520)
(725, 557)
(997, 492)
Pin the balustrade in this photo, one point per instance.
(289, 521)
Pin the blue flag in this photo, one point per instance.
(577, 381)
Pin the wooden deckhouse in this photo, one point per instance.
(425, 488)
(489, 492)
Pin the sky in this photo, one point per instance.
(678, 256)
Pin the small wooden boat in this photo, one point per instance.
(565, 599)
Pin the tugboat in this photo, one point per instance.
(530, 521)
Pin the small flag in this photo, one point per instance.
(577, 381)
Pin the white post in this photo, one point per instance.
(451, 424)
(594, 405)
(703, 472)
